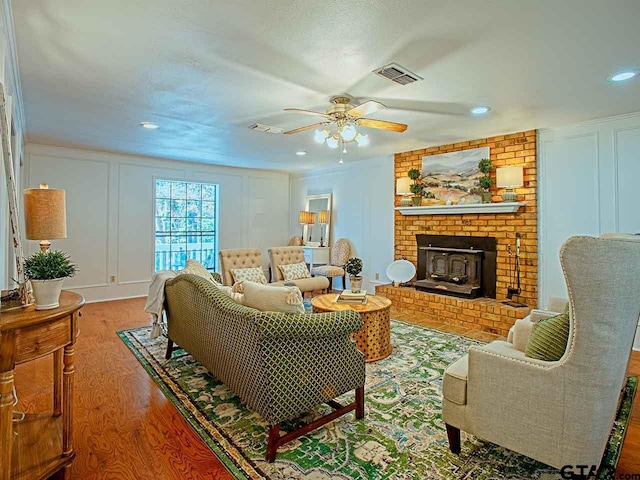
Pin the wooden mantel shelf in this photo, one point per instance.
(500, 207)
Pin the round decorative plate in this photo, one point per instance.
(401, 271)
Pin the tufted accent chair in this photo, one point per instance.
(238, 258)
(339, 255)
(288, 255)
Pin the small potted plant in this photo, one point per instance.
(353, 267)
(47, 271)
(416, 186)
(485, 182)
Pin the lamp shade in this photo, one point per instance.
(402, 186)
(45, 213)
(311, 219)
(509, 177)
(323, 216)
(303, 218)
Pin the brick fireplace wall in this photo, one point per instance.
(505, 150)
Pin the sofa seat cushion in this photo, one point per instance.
(327, 271)
(549, 337)
(272, 298)
(454, 385)
(254, 274)
(294, 271)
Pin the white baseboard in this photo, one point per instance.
(114, 299)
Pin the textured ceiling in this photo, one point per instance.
(91, 70)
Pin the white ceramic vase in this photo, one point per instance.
(47, 293)
(356, 283)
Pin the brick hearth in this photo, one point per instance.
(485, 314)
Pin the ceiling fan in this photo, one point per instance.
(346, 117)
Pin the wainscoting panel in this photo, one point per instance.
(86, 184)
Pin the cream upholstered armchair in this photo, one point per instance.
(339, 256)
(560, 412)
(238, 258)
(287, 256)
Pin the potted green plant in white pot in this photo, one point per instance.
(47, 271)
(353, 267)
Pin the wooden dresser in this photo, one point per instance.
(40, 445)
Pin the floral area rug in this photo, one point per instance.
(401, 437)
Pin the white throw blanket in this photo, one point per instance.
(155, 298)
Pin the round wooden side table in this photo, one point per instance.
(374, 338)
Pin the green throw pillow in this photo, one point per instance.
(549, 337)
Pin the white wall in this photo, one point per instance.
(10, 79)
(362, 210)
(110, 210)
(588, 184)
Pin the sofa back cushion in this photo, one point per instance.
(196, 268)
(272, 298)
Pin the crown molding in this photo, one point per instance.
(11, 67)
(594, 121)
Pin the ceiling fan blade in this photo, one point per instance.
(308, 127)
(307, 112)
(381, 124)
(366, 108)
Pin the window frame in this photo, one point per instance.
(216, 202)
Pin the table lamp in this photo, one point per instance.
(403, 185)
(311, 219)
(303, 220)
(509, 177)
(323, 219)
(45, 215)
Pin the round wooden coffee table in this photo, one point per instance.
(374, 339)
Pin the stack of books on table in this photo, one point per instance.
(347, 296)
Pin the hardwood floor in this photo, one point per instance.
(125, 428)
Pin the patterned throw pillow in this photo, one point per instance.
(294, 271)
(196, 268)
(549, 338)
(251, 274)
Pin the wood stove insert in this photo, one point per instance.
(457, 265)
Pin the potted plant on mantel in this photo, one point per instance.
(353, 267)
(47, 271)
(485, 182)
(416, 186)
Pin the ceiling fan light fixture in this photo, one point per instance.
(362, 140)
(332, 142)
(348, 132)
(320, 135)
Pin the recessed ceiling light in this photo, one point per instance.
(480, 110)
(622, 76)
(149, 125)
(300, 153)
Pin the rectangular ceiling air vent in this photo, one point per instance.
(265, 128)
(397, 73)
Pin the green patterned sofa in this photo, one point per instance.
(281, 365)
